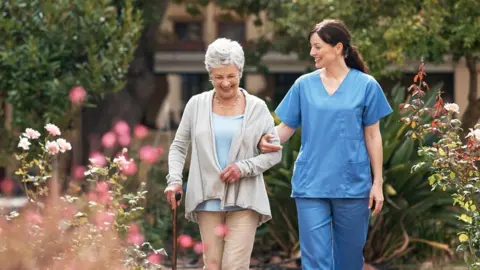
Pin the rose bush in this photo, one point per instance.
(452, 160)
(93, 226)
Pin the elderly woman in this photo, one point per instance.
(225, 184)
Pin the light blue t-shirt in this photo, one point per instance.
(224, 128)
(333, 161)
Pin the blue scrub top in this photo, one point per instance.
(333, 161)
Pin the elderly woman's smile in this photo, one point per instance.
(225, 81)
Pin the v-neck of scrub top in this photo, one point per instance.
(340, 86)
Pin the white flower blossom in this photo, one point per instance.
(122, 162)
(53, 129)
(24, 143)
(64, 145)
(475, 133)
(31, 133)
(52, 147)
(452, 107)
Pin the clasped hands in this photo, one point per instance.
(230, 174)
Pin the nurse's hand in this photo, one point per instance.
(265, 146)
(230, 174)
(170, 193)
(376, 194)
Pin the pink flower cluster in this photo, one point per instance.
(121, 134)
(52, 147)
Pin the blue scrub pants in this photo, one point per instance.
(332, 232)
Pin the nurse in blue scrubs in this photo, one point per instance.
(338, 107)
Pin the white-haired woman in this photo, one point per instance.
(225, 184)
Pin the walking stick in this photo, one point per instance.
(178, 196)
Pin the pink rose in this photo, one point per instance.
(77, 95)
(97, 159)
(149, 154)
(79, 172)
(140, 131)
(198, 248)
(31, 133)
(131, 169)
(124, 139)
(53, 130)
(121, 128)
(122, 162)
(64, 145)
(185, 241)
(109, 139)
(52, 147)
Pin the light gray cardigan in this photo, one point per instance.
(204, 175)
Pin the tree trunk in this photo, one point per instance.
(472, 112)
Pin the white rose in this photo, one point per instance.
(52, 147)
(64, 145)
(475, 134)
(24, 143)
(31, 133)
(452, 107)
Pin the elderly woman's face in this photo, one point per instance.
(225, 80)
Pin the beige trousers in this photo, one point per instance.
(233, 251)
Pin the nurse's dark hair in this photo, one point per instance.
(335, 31)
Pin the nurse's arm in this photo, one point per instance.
(373, 141)
(284, 133)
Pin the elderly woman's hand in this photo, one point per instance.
(230, 174)
(170, 193)
(266, 147)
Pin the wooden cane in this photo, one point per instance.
(178, 196)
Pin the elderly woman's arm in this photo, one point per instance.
(177, 155)
(179, 147)
(259, 164)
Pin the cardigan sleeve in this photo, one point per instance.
(264, 161)
(179, 147)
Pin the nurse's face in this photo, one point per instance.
(323, 53)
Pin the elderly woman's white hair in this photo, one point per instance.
(223, 52)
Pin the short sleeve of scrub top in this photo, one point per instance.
(289, 110)
(376, 104)
(333, 161)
